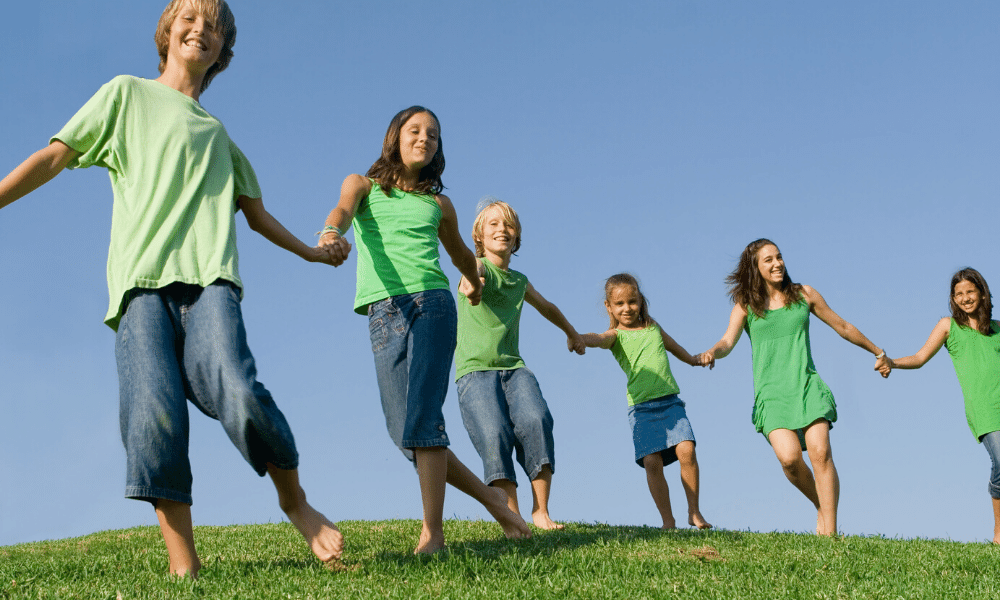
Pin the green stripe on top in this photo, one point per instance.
(643, 357)
(397, 240)
(488, 333)
(977, 363)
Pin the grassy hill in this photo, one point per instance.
(584, 561)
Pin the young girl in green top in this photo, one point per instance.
(793, 408)
(400, 216)
(970, 335)
(661, 431)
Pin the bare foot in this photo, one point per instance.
(543, 521)
(668, 525)
(696, 520)
(513, 525)
(429, 543)
(323, 537)
(186, 571)
(996, 538)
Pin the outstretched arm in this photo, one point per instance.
(600, 340)
(265, 224)
(724, 346)
(551, 312)
(354, 189)
(819, 307)
(463, 258)
(34, 172)
(937, 339)
(678, 351)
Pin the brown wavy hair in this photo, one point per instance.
(216, 11)
(983, 314)
(509, 218)
(387, 169)
(626, 279)
(748, 288)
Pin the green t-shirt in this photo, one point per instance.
(175, 175)
(488, 332)
(977, 363)
(397, 240)
(643, 357)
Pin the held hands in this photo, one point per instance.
(705, 359)
(884, 365)
(575, 343)
(465, 288)
(332, 250)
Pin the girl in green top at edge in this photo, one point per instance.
(970, 335)
(793, 408)
(399, 216)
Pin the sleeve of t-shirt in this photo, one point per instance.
(91, 130)
(244, 178)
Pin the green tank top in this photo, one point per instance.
(977, 363)
(488, 333)
(397, 241)
(788, 392)
(642, 356)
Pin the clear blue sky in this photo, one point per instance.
(654, 137)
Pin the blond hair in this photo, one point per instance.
(216, 11)
(509, 216)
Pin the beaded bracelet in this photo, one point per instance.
(330, 229)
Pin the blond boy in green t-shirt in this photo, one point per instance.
(174, 288)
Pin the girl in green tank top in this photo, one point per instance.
(793, 408)
(661, 431)
(970, 335)
(400, 217)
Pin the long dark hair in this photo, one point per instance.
(748, 288)
(387, 169)
(625, 279)
(983, 314)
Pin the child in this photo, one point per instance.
(970, 335)
(661, 431)
(502, 405)
(399, 216)
(793, 408)
(175, 292)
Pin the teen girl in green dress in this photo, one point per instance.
(793, 408)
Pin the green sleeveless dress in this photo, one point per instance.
(788, 392)
(977, 363)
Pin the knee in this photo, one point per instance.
(791, 463)
(685, 453)
(653, 462)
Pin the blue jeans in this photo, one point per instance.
(184, 342)
(413, 339)
(992, 443)
(504, 413)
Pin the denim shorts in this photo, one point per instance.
(992, 443)
(179, 343)
(413, 339)
(658, 426)
(504, 413)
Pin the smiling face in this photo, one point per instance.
(418, 140)
(193, 39)
(771, 265)
(967, 296)
(497, 234)
(624, 305)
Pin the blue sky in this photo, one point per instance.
(653, 137)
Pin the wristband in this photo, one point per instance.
(878, 356)
(330, 229)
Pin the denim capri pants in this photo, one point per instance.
(505, 414)
(413, 339)
(179, 343)
(992, 443)
(658, 426)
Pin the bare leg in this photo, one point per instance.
(323, 537)
(996, 520)
(826, 477)
(510, 488)
(540, 488)
(785, 444)
(690, 479)
(493, 499)
(432, 467)
(657, 483)
(178, 534)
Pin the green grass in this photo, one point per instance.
(584, 561)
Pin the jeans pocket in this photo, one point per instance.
(377, 332)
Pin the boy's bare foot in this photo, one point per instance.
(429, 543)
(323, 537)
(543, 521)
(669, 526)
(696, 520)
(185, 570)
(513, 525)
